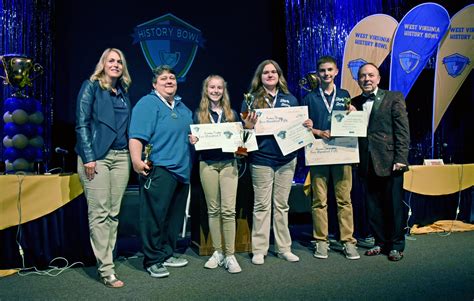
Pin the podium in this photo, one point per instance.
(200, 234)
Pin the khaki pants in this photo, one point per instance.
(104, 197)
(342, 179)
(271, 187)
(219, 182)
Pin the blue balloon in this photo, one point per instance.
(29, 153)
(11, 129)
(11, 154)
(29, 105)
(39, 130)
(30, 130)
(12, 104)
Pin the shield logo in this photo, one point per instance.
(354, 66)
(455, 64)
(168, 40)
(409, 60)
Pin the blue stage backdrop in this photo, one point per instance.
(320, 27)
(26, 29)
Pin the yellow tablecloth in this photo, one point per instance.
(439, 179)
(38, 195)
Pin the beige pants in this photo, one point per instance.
(271, 187)
(104, 197)
(219, 182)
(342, 180)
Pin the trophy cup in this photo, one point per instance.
(245, 135)
(17, 72)
(249, 99)
(311, 79)
(147, 160)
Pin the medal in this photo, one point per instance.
(174, 115)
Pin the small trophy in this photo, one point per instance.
(245, 135)
(311, 79)
(17, 72)
(249, 99)
(147, 160)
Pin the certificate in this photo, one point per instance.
(334, 151)
(271, 120)
(353, 124)
(292, 137)
(217, 135)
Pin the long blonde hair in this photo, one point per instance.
(99, 73)
(224, 102)
(256, 86)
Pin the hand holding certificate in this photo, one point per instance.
(349, 124)
(292, 137)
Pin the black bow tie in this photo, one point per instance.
(370, 97)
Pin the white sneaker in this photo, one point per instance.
(231, 264)
(217, 259)
(288, 256)
(258, 259)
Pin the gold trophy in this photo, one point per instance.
(17, 72)
(311, 79)
(147, 160)
(245, 134)
(249, 99)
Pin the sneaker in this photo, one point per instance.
(350, 250)
(321, 250)
(175, 262)
(158, 271)
(217, 259)
(288, 256)
(258, 259)
(231, 265)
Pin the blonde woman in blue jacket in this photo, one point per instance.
(102, 121)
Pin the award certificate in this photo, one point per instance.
(334, 151)
(217, 135)
(271, 120)
(292, 137)
(353, 124)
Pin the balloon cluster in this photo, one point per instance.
(23, 143)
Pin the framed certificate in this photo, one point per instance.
(271, 120)
(353, 124)
(334, 151)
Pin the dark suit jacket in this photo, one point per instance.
(388, 133)
(95, 121)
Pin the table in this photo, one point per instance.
(53, 220)
(38, 195)
(435, 191)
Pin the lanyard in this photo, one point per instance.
(272, 105)
(218, 118)
(329, 107)
(171, 106)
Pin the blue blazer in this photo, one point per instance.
(95, 121)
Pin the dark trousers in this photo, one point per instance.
(384, 203)
(162, 209)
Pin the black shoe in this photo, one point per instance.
(395, 255)
(373, 251)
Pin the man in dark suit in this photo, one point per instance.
(383, 159)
